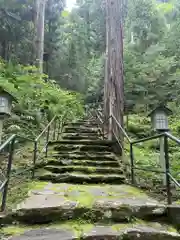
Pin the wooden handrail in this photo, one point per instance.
(49, 124)
(123, 131)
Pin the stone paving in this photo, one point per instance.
(48, 202)
(138, 232)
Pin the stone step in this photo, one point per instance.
(90, 163)
(82, 169)
(136, 231)
(105, 203)
(80, 130)
(82, 124)
(86, 156)
(79, 137)
(94, 133)
(83, 142)
(82, 121)
(97, 154)
(79, 178)
(82, 148)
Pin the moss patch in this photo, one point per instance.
(14, 230)
(85, 195)
(84, 198)
(79, 227)
(156, 225)
(18, 191)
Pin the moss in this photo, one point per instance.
(79, 168)
(38, 185)
(84, 198)
(15, 230)
(78, 227)
(18, 191)
(92, 169)
(83, 194)
(42, 171)
(138, 222)
(134, 191)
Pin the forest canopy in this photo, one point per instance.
(74, 49)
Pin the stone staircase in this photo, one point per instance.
(81, 157)
(81, 193)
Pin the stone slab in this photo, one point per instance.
(45, 234)
(45, 201)
(68, 201)
(134, 233)
(150, 231)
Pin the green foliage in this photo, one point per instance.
(151, 54)
(32, 94)
(147, 154)
(75, 46)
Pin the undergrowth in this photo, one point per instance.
(147, 154)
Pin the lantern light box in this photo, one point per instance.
(159, 118)
(6, 100)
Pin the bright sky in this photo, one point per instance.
(70, 4)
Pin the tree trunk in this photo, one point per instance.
(39, 33)
(107, 75)
(114, 84)
(4, 53)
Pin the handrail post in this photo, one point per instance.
(58, 131)
(168, 181)
(10, 159)
(34, 157)
(103, 129)
(54, 132)
(110, 128)
(47, 141)
(132, 163)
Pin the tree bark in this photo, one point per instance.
(39, 33)
(107, 73)
(114, 82)
(4, 50)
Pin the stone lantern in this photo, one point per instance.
(6, 100)
(159, 118)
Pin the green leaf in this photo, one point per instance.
(65, 14)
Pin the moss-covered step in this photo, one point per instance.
(82, 169)
(51, 202)
(84, 134)
(79, 137)
(83, 123)
(136, 232)
(90, 163)
(71, 230)
(80, 130)
(105, 156)
(83, 142)
(79, 178)
(82, 148)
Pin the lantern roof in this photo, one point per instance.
(161, 108)
(3, 91)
